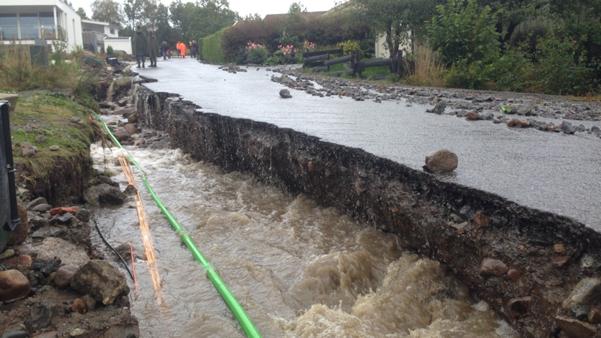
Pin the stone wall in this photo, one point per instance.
(523, 262)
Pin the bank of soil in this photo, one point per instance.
(546, 113)
(538, 270)
(55, 282)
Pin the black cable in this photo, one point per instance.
(113, 249)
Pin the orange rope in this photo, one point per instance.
(145, 232)
(132, 253)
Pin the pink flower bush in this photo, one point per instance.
(253, 45)
(308, 45)
(287, 49)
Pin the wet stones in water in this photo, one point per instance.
(442, 161)
(101, 280)
(439, 108)
(104, 194)
(13, 285)
(472, 116)
(285, 94)
(517, 123)
(567, 128)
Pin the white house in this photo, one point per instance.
(32, 22)
(381, 47)
(98, 36)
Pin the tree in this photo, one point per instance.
(82, 13)
(200, 19)
(463, 32)
(402, 21)
(107, 11)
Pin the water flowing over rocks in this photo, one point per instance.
(432, 217)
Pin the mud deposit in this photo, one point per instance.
(297, 268)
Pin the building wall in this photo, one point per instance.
(119, 44)
(381, 50)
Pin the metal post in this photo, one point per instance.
(55, 24)
(10, 167)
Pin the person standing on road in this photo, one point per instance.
(140, 47)
(153, 48)
(182, 50)
(164, 49)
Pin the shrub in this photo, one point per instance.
(109, 50)
(561, 70)
(513, 71)
(256, 53)
(211, 48)
(349, 46)
(464, 33)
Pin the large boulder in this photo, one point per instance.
(285, 94)
(442, 161)
(68, 253)
(13, 285)
(104, 194)
(101, 280)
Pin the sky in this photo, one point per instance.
(245, 7)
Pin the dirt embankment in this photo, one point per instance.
(54, 282)
(538, 270)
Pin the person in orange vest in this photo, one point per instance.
(182, 51)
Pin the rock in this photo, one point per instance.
(596, 130)
(481, 219)
(519, 306)
(514, 275)
(63, 276)
(79, 305)
(83, 215)
(575, 328)
(131, 128)
(68, 253)
(586, 292)
(36, 202)
(487, 116)
(121, 134)
(41, 208)
(594, 315)
(19, 235)
(101, 280)
(77, 332)
(63, 219)
(28, 150)
(8, 253)
(104, 194)
(18, 262)
(517, 123)
(438, 109)
(15, 334)
(493, 267)
(442, 161)
(48, 334)
(40, 316)
(54, 147)
(124, 250)
(90, 302)
(559, 248)
(567, 128)
(285, 94)
(13, 285)
(472, 116)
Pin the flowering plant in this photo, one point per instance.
(253, 45)
(308, 45)
(287, 49)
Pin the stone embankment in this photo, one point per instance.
(538, 270)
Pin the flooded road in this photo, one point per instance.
(548, 171)
(298, 269)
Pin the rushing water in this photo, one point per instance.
(298, 269)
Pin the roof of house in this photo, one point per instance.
(93, 22)
(306, 15)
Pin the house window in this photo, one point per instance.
(47, 25)
(30, 26)
(8, 27)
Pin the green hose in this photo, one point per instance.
(230, 300)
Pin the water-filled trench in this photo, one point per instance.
(299, 270)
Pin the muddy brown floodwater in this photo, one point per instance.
(299, 270)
